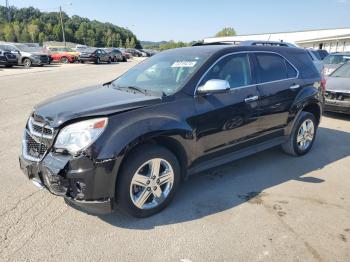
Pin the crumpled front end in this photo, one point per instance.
(82, 181)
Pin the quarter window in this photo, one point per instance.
(272, 67)
(233, 68)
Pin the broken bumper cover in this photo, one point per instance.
(82, 183)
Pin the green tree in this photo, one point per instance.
(33, 31)
(127, 43)
(9, 33)
(132, 43)
(227, 31)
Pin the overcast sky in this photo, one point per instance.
(188, 20)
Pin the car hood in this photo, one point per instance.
(90, 101)
(338, 84)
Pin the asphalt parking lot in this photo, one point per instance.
(266, 207)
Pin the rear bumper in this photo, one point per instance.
(83, 184)
(337, 106)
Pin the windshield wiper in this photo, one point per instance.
(134, 88)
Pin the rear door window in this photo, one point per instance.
(272, 67)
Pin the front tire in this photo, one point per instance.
(303, 135)
(27, 62)
(148, 181)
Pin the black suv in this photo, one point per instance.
(132, 140)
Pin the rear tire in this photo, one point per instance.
(64, 60)
(302, 136)
(160, 190)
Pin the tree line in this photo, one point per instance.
(32, 25)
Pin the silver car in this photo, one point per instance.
(333, 61)
(338, 90)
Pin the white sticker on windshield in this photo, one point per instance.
(184, 64)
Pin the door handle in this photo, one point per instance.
(293, 87)
(251, 99)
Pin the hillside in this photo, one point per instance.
(32, 25)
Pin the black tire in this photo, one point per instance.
(109, 60)
(98, 60)
(124, 59)
(131, 164)
(64, 60)
(27, 62)
(82, 62)
(291, 146)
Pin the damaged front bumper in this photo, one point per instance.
(83, 183)
(338, 106)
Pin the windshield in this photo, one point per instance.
(336, 59)
(163, 73)
(343, 71)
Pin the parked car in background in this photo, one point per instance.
(316, 59)
(64, 57)
(338, 90)
(126, 54)
(322, 53)
(7, 58)
(130, 142)
(95, 55)
(63, 54)
(116, 55)
(134, 52)
(29, 56)
(333, 61)
(60, 49)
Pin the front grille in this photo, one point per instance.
(37, 140)
(340, 96)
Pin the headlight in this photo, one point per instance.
(78, 136)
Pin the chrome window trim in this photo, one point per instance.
(248, 52)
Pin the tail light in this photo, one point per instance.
(323, 86)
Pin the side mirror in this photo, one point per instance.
(214, 86)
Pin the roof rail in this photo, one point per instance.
(247, 43)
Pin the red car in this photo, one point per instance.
(64, 57)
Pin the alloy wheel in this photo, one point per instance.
(151, 183)
(305, 134)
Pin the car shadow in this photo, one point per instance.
(230, 185)
(339, 116)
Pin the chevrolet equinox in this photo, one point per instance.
(129, 142)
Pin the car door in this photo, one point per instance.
(225, 119)
(105, 56)
(278, 85)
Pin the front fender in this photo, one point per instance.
(124, 133)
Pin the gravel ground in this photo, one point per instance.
(266, 207)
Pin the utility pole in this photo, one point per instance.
(64, 37)
(8, 11)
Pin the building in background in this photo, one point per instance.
(332, 40)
